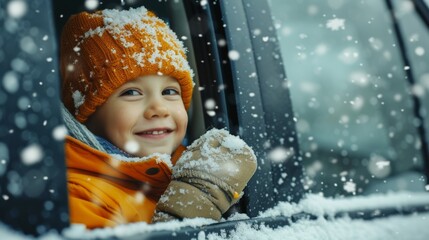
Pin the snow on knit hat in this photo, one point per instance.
(101, 51)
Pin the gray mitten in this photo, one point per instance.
(208, 178)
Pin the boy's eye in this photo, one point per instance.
(170, 91)
(131, 92)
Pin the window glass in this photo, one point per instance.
(416, 39)
(355, 120)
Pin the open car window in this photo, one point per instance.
(173, 13)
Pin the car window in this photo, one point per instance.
(416, 39)
(355, 119)
(173, 13)
(32, 166)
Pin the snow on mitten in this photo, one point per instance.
(208, 178)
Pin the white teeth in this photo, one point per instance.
(156, 132)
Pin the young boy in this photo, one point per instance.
(126, 88)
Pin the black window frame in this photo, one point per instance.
(422, 10)
(252, 94)
(29, 212)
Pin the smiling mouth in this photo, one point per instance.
(155, 132)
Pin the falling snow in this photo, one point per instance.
(91, 4)
(32, 154)
(10, 82)
(210, 104)
(59, 132)
(203, 3)
(350, 187)
(336, 24)
(420, 51)
(132, 146)
(17, 8)
(234, 55)
(280, 154)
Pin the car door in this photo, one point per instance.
(32, 170)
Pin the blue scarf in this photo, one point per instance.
(110, 148)
(80, 132)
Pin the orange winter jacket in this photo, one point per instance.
(104, 191)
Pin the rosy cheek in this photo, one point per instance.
(182, 116)
(180, 112)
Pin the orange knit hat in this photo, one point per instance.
(103, 50)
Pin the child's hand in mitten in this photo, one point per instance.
(208, 178)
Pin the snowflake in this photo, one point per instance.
(234, 55)
(336, 24)
(59, 132)
(78, 98)
(32, 154)
(350, 187)
(131, 146)
(382, 164)
(280, 154)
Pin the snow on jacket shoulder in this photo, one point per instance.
(107, 191)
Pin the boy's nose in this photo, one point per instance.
(156, 109)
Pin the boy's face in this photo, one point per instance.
(143, 116)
